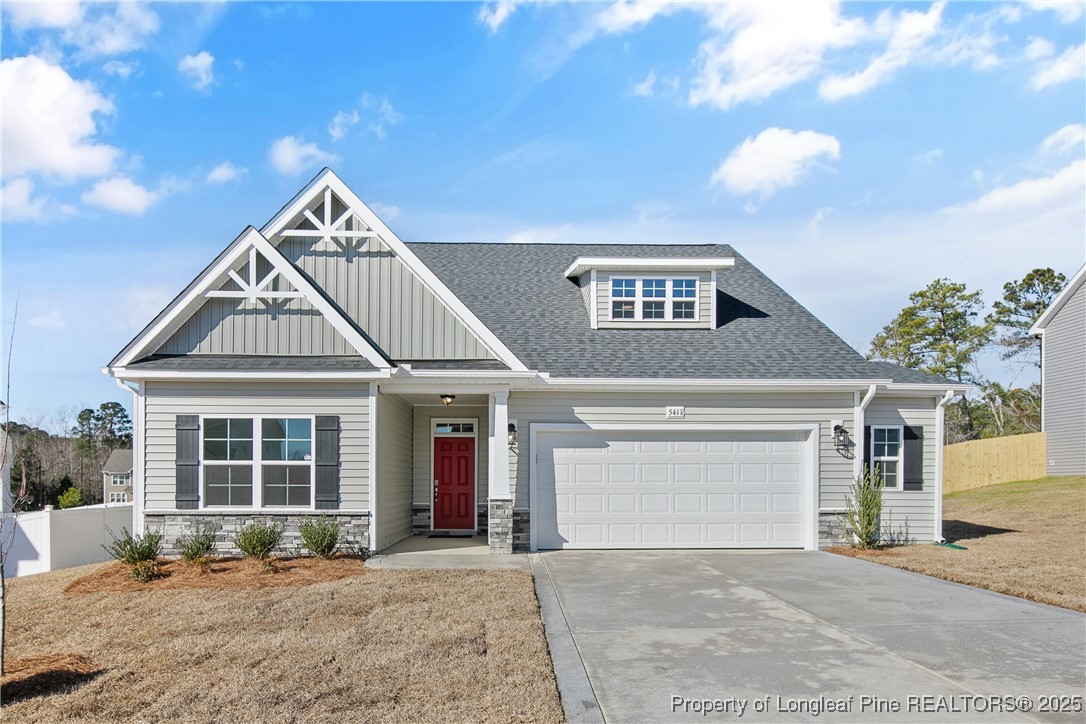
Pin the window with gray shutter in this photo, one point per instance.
(187, 460)
(327, 462)
(913, 478)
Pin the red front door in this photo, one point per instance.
(454, 483)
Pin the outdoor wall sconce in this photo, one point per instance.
(512, 434)
(840, 437)
(447, 400)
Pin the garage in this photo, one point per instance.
(672, 489)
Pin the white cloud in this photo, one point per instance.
(1068, 10)
(645, 87)
(386, 115)
(52, 319)
(929, 157)
(1066, 185)
(622, 16)
(1071, 64)
(225, 172)
(122, 28)
(123, 195)
(290, 155)
(774, 160)
(909, 33)
(761, 48)
(1039, 48)
(199, 69)
(18, 204)
(337, 129)
(494, 14)
(1066, 139)
(49, 121)
(44, 15)
(120, 68)
(386, 212)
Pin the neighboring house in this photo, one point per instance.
(551, 395)
(1062, 329)
(117, 477)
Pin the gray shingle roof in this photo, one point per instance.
(221, 363)
(520, 293)
(119, 461)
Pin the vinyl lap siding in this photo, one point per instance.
(424, 452)
(1065, 387)
(393, 489)
(908, 512)
(166, 400)
(835, 469)
(603, 299)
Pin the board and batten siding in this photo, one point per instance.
(393, 486)
(910, 513)
(835, 471)
(165, 400)
(1064, 391)
(603, 299)
(424, 449)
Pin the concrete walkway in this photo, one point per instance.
(659, 633)
(421, 551)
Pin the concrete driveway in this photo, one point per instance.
(663, 636)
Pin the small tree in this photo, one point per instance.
(863, 508)
(70, 498)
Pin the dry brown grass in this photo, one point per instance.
(1024, 539)
(413, 645)
(220, 574)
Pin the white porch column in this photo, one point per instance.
(499, 497)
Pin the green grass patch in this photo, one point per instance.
(1069, 490)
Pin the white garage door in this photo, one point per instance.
(671, 489)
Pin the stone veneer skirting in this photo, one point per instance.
(522, 534)
(501, 526)
(420, 520)
(354, 529)
(831, 530)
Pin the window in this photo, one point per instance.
(277, 472)
(886, 453)
(118, 498)
(454, 427)
(120, 479)
(654, 298)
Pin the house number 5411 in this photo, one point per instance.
(675, 412)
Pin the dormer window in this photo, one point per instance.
(654, 298)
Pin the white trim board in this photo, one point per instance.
(327, 179)
(694, 263)
(189, 301)
(810, 490)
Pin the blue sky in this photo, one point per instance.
(855, 152)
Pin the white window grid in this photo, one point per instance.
(652, 290)
(119, 479)
(258, 462)
(118, 498)
(881, 460)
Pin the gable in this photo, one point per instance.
(373, 286)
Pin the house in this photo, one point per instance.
(549, 395)
(117, 477)
(1062, 329)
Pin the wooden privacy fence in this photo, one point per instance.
(977, 463)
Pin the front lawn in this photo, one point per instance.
(381, 645)
(1024, 539)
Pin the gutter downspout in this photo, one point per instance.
(940, 441)
(858, 421)
(137, 454)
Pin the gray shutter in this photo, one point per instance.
(913, 478)
(865, 456)
(187, 459)
(327, 462)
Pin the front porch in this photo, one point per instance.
(441, 459)
(423, 551)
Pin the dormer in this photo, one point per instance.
(648, 293)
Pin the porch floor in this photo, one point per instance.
(420, 551)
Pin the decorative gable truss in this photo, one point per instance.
(328, 232)
(253, 276)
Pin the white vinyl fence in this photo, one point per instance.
(50, 539)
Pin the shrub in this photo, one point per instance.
(70, 498)
(321, 537)
(257, 540)
(133, 549)
(145, 571)
(200, 543)
(863, 508)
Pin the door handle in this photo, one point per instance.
(435, 489)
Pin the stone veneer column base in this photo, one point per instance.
(522, 532)
(831, 530)
(354, 528)
(500, 526)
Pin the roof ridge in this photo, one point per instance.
(566, 243)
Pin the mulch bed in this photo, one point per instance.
(221, 574)
(42, 675)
